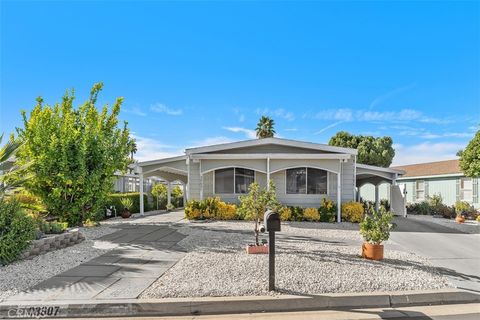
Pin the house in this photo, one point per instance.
(303, 172)
(424, 180)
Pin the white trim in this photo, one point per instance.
(159, 161)
(339, 192)
(462, 198)
(141, 194)
(261, 156)
(232, 166)
(381, 169)
(450, 175)
(416, 190)
(306, 183)
(265, 141)
(175, 170)
(303, 166)
(268, 173)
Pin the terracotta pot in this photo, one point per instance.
(460, 219)
(126, 214)
(372, 251)
(254, 249)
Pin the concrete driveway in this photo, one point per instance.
(454, 252)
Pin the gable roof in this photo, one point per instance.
(265, 141)
(431, 168)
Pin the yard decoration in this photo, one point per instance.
(375, 228)
(127, 203)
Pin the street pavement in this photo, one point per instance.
(456, 254)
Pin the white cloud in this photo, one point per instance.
(161, 108)
(136, 111)
(280, 113)
(329, 127)
(151, 149)
(239, 114)
(425, 152)
(211, 141)
(250, 134)
(335, 114)
(447, 135)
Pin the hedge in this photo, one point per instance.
(114, 200)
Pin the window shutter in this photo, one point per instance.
(475, 190)
(458, 190)
(414, 191)
(425, 187)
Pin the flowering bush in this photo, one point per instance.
(327, 210)
(352, 211)
(311, 214)
(285, 214)
(210, 208)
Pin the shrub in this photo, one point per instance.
(210, 208)
(463, 207)
(478, 218)
(444, 211)
(114, 199)
(435, 200)
(285, 214)
(226, 211)
(170, 207)
(352, 211)
(90, 223)
(385, 203)
(376, 226)
(193, 210)
(29, 202)
(297, 213)
(311, 214)
(421, 208)
(16, 230)
(127, 203)
(327, 210)
(53, 227)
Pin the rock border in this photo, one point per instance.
(53, 242)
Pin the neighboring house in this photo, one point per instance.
(303, 172)
(443, 178)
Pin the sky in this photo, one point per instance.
(200, 73)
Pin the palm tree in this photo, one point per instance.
(265, 128)
(7, 167)
(133, 148)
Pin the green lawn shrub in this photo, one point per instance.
(114, 199)
(17, 230)
(327, 210)
(211, 208)
(352, 211)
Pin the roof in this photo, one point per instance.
(382, 169)
(265, 141)
(431, 168)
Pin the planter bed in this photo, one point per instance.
(52, 242)
(312, 258)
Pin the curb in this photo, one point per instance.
(231, 305)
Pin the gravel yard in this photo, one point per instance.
(23, 274)
(312, 258)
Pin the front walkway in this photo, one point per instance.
(146, 247)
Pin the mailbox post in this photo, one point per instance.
(272, 225)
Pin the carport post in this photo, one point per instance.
(184, 195)
(141, 193)
(169, 193)
(377, 197)
(339, 196)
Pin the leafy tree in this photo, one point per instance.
(177, 192)
(265, 128)
(470, 157)
(74, 154)
(159, 190)
(372, 151)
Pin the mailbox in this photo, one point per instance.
(272, 221)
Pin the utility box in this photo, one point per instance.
(271, 221)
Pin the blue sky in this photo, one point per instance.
(196, 73)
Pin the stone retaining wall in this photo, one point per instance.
(53, 242)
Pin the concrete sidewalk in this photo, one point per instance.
(142, 255)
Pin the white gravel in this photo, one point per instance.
(23, 274)
(312, 258)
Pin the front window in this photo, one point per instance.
(420, 189)
(233, 180)
(307, 181)
(466, 189)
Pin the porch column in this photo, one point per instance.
(169, 193)
(184, 195)
(268, 173)
(339, 196)
(201, 186)
(141, 193)
(377, 197)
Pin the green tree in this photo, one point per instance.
(265, 128)
(372, 151)
(74, 154)
(9, 179)
(470, 157)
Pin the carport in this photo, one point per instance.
(169, 169)
(366, 174)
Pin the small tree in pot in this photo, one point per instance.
(127, 204)
(375, 228)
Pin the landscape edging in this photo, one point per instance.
(231, 305)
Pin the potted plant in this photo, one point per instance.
(461, 209)
(375, 228)
(127, 204)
